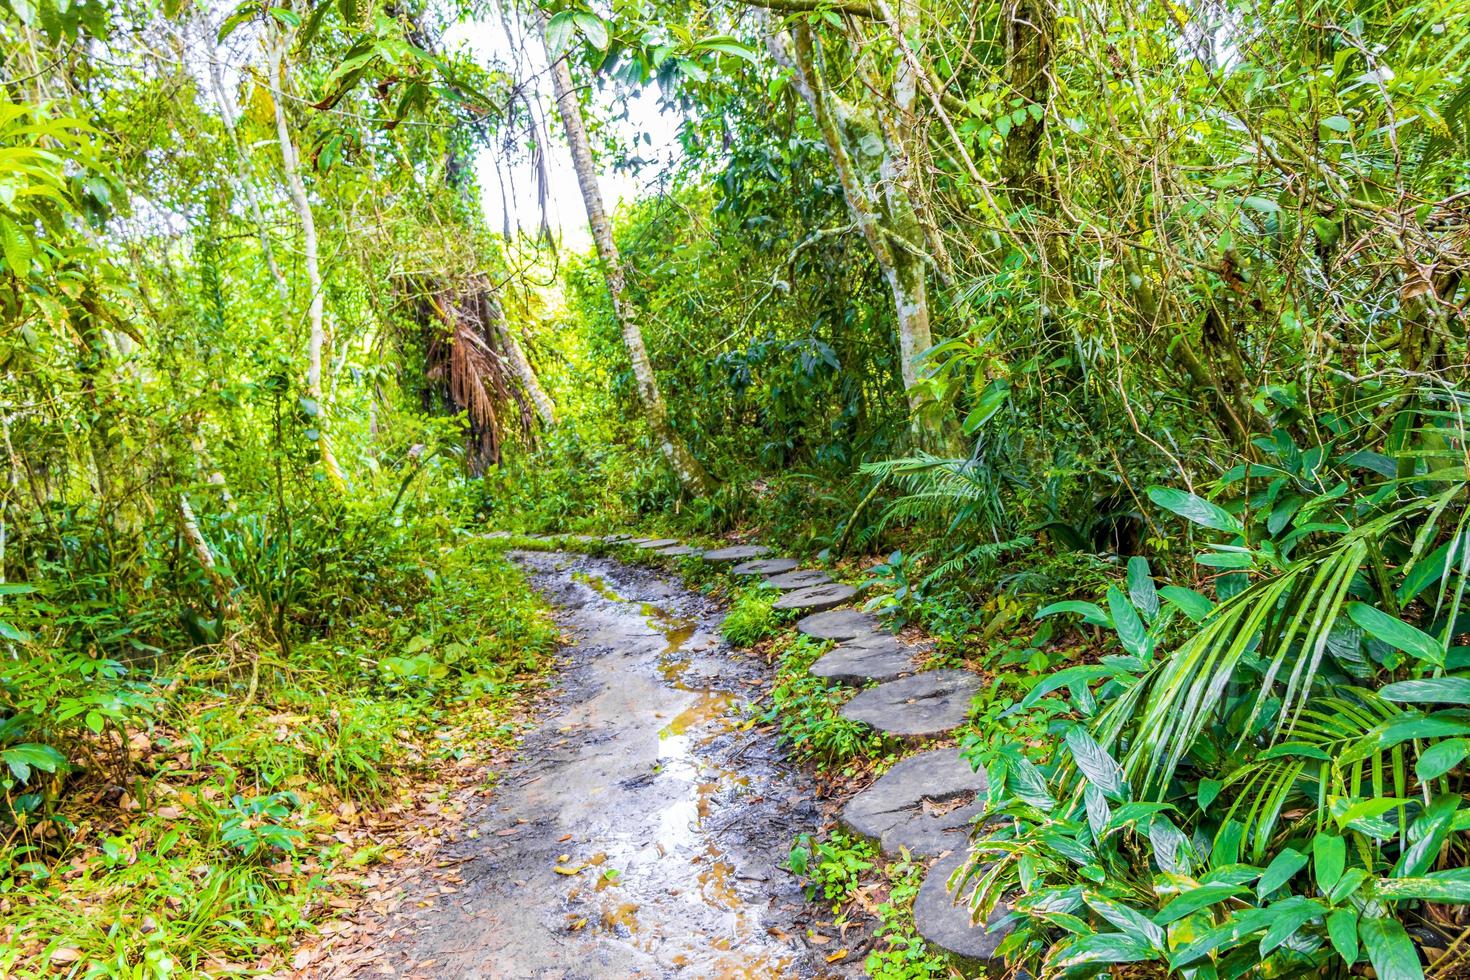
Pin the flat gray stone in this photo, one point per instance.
(616, 538)
(678, 549)
(925, 803)
(947, 926)
(765, 566)
(739, 552)
(654, 544)
(840, 624)
(885, 659)
(803, 579)
(929, 703)
(816, 598)
(493, 535)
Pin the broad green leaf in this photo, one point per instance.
(1191, 603)
(1029, 784)
(1285, 864)
(559, 32)
(1452, 886)
(1440, 758)
(991, 401)
(1066, 678)
(1329, 855)
(1191, 901)
(593, 28)
(1397, 633)
(1130, 921)
(1287, 916)
(1338, 124)
(1104, 947)
(1096, 764)
(1196, 509)
(1428, 834)
(1141, 588)
(1390, 950)
(1090, 612)
(26, 756)
(1208, 790)
(1099, 815)
(1429, 690)
(1131, 631)
(1342, 929)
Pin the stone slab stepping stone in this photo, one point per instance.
(946, 925)
(654, 544)
(803, 579)
(816, 598)
(616, 538)
(766, 566)
(678, 549)
(854, 664)
(840, 624)
(739, 552)
(925, 803)
(930, 703)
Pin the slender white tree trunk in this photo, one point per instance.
(540, 400)
(279, 43)
(691, 474)
(242, 156)
(878, 198)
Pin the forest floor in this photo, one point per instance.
(640, 829)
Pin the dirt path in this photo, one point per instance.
(639, 833)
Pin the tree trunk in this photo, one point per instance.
(545, 409)
(278, 47)
(691, 474)
(242, 157)
(886, 217)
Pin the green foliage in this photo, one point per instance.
(903, 955)
(833, 868)
(1274, 787)
(806, 711)
(750, 618)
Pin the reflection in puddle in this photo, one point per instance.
(676, 629)
(668, 885)
(597, 584)
(708, 706)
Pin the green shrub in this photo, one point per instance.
(806, 711)
(751, 618)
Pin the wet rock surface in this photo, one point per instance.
(640, 832)
(925, 803)
(815, 598)
(839, 624)
(678, 549)
(857, 665)
(946, 924)
(739, 552)
(930, 703)
(766, 566)
(799, 579)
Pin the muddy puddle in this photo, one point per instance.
(641, 830)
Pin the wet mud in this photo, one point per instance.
(640, 832)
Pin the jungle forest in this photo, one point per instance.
(735, 489)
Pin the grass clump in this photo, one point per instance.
(752, 618)
(806, 711)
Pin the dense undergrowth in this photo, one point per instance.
(1122, 347)
(187, 814)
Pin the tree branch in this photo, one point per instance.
(854, 7)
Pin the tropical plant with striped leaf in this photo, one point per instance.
(1282, 790)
